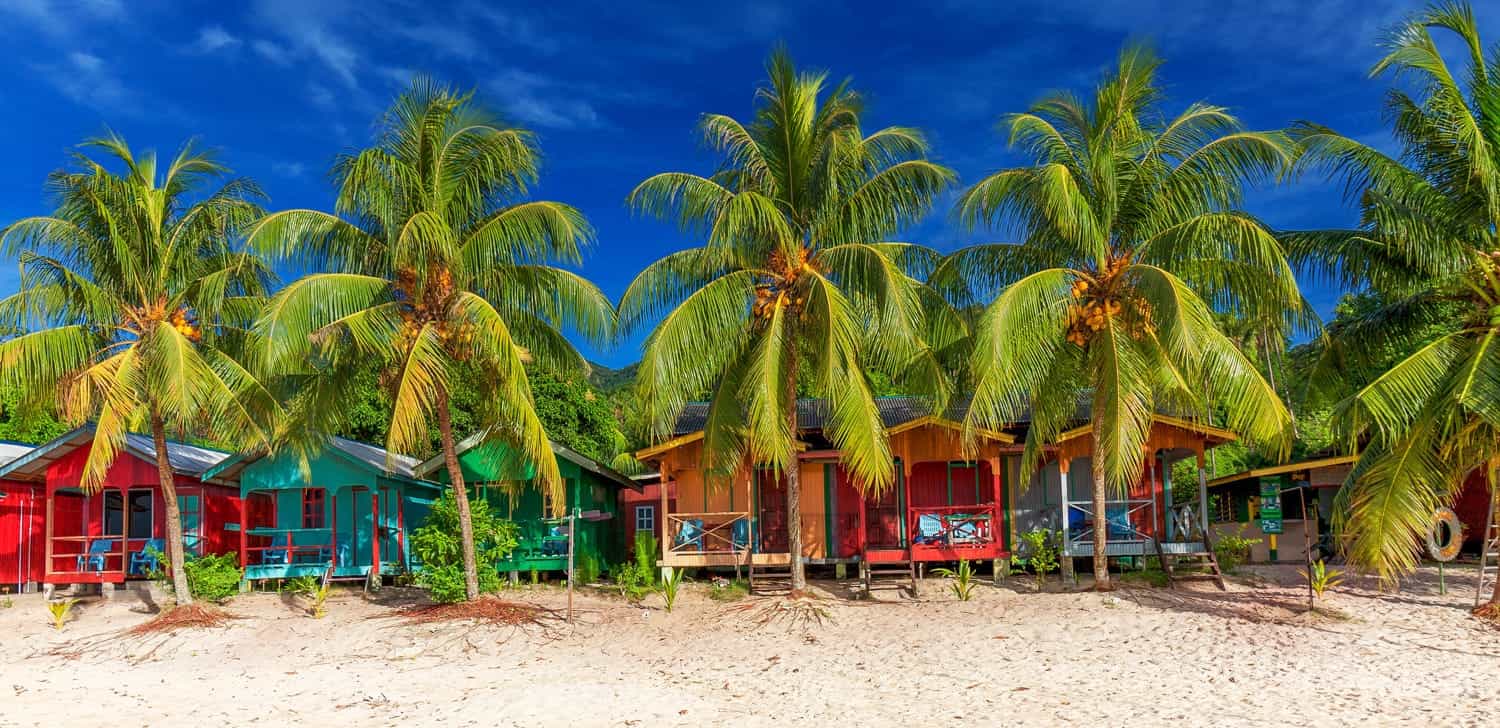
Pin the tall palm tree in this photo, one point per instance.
(133, 301)
(435, 265)
(1427, 241)
(1130, 238)
(793, 284)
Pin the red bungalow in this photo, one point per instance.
(20, 527)
(104, 537)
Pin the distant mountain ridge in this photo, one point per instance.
(609, 380)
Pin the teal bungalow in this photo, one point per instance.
(354, 507)
(506, 484)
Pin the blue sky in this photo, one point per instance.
(280, 86)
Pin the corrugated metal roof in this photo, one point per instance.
(11, 450)
(186, 459)
(376, 457)
(813, 413)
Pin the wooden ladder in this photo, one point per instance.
(1489, 552)
(906, 570)
(763, 573)
(1204, 559)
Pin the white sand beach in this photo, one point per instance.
(1141, 656)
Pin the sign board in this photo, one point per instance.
(1270, 506)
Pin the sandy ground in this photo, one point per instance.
(1143, 656)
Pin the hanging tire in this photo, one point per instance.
(1445, 536)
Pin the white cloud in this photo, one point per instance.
(542, 101)
(289, 169)
(271, 52)
(311, 29)
(60, 18)
(214, 38)
(87, 80)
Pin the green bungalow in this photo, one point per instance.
(592, 490)
(354, 506)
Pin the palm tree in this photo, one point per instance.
(1427, 243)
(1131, 237)
(132, 303)
(793, 285)
(434, 265)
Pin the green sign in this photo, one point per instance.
(1270, 506)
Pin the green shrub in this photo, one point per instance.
(215, 577)
(646, 550)
(963, 579)
(587, 567)
(1043, 547)
(306, 584)
(437, 544)
(1232, 551)
(728, 590)
(670, 585)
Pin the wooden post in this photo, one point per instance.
(244, 542)
(572, 535)
(47, 542)
(1166, 495)
(1062, 480)
(997, 518)
(1203, 498)
(375, 537)
(404, 557)
(333, 530)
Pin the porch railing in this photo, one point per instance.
(1187, 522)
(724, 532)
(283, 548)
(953, 526)
(1121, 518)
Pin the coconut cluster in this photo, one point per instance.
(1097, 300)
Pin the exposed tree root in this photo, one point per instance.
(1489, 612)
(192, 616)
(490, 610)
(798, 610)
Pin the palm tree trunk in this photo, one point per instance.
(460, 495)
(1101, 512)
(176, 560)
(794, 488)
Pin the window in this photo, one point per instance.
(645, 519)
(141, 514)
(114, 513)
(190, 511)
(312, 508)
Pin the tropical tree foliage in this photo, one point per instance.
(434, 266)
(1427, 244)
(1131, 239)
(133, 305)
(795, 279)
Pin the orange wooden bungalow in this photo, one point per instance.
(110, 536)
(944, 506)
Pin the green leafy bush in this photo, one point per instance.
(1043, 547)
(214, 577)
(305, 584)
(670, 586)
(1232, 551)
(437, 544)
(646, 550)
(963, 579)
(588, 568)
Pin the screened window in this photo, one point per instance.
(190, 508)
(139, 523)
(312, 508)
(114, 513)
(645, 518)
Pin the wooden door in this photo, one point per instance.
(771, 520)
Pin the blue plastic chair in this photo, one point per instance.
(1119, 524)
(929, 528)
(691, 533)
(145, 561)
(275, 555)
(965, 528)
(739, 534)
(94, 559)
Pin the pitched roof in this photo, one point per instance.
(11, 450)
(813, 413)
(371, 456)
(184, 459)
(585, 462)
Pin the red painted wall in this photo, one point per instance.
(1470, 506)
(21, 548)
(650, 496)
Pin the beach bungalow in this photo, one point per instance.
(592, 491)
(942, 507)
(354, 506)
(1312, 484)
(946, 505)
(1146, 521)
(21, 533)
(109, 536)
